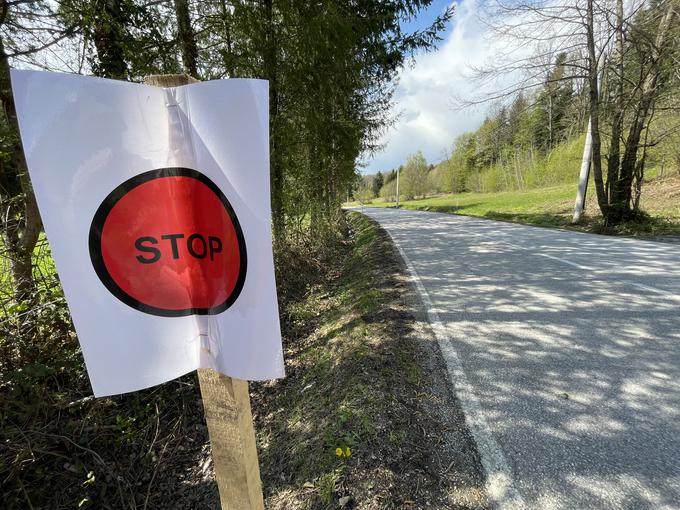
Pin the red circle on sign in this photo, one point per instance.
(167, 242)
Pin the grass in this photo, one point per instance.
(322, 405)
(44, 270)
(553, 207)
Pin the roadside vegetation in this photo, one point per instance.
(554, 206)
(356, 422)
(352, 423)
(609, 69)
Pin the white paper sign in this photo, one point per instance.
(156, 206)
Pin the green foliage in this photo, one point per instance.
(364, 194)
(390, 176)
(378, 182)
(529, 169)
(389, 191)
(61, 447)
(551, 118)
(535, 141)
(126, 39)
(414, 177)
(331, 67)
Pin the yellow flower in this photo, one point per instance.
(348, 452)
(338, 452)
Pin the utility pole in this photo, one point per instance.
(580, 204)
(398, 186)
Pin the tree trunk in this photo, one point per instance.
(227, 52)
(621, 198)
(108, 40)
(550, 117)
(594, 100)
(186, 37)
(613, 159)
(639, 179)
(276, 175)
(21, 225)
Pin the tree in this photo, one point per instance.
(364, 193)
(187, 38)
(331, 67)
(575, 44)
(414, 176)
(123, 39)
(391, 175)
(551, 122)
(647, 38)
(389, 191)
(378, 182)
(23, 31)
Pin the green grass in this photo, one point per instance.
(546, 206)
(44, 270)
(328, 402)
(553, 207)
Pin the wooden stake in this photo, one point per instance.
(230, 425)
(227, 411)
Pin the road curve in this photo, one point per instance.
(565, 351)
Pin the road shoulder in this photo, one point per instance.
(365, 417)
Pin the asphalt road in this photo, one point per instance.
(565, 352)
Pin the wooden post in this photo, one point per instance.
(232, 436)
(227, 411)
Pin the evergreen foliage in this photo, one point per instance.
(378, 182)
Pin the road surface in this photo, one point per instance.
(564, 349)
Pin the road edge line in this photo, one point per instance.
(500, 487)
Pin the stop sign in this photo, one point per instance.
(167, 242)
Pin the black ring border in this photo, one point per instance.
(112, 199)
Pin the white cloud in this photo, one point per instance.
(424, 95)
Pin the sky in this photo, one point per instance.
(423, 100)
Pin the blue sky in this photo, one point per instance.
(423, 99)
(426, 17)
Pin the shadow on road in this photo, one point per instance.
(577, 369)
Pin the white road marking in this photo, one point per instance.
(579, 266)
(654, 290)
(500, 486)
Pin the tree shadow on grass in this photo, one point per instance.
(445, 208)
(642, 225)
